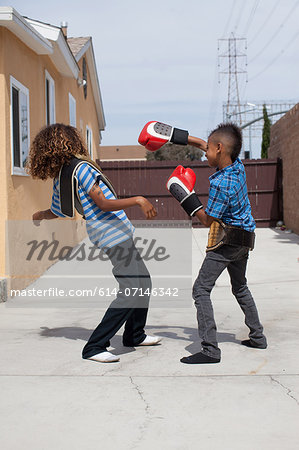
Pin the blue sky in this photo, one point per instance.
(157, 59)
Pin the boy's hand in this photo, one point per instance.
(42, 215)
(37, 218)
(147, 208)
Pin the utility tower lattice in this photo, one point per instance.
(237, 64)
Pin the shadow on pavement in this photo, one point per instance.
(192, 335)
(285, 237)
(75, 333)
(189, 334)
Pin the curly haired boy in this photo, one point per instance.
(108, 227)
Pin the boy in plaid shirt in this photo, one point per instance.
(228, 201)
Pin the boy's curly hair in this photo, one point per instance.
(52, 147)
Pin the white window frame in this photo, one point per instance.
(89, 140)
(72, 104)
(16, 170)
(51, 105)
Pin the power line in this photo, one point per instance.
(251, 17)
(276, 32)
(276, 57)
(214, 98)
(229, 17)
(264, 23)
(239, 17)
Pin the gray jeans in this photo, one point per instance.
(234, 259)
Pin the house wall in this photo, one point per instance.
(284, 144)
(21, 196)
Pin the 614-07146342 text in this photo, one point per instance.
(128, 292)
(95, 292)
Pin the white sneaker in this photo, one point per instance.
(104, 357)
(151, 340)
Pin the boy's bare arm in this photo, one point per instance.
(197, 142)
(105, 204)
(204, 218)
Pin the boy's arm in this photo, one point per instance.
(197, 142)
(105, 204)
(204, 218)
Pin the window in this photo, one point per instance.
(50, 99)
(89, 140)
(20, 130)
(72, 109)
(84, 76)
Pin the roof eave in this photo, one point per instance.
(95, 86)
(18, 25)
(62, 56)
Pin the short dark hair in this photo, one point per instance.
(233, 135)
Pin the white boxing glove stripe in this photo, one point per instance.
(152, 132)
(180, 194)
(181, 187)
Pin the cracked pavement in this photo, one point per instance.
(52, 399)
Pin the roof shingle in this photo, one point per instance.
(77, 43)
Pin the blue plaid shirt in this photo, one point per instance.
(228, 197)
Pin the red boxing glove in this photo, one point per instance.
(181, 186)
(155, 134)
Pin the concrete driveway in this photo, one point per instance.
(52, 399)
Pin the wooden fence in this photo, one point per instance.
(148, 178)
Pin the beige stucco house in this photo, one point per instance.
(45, 77)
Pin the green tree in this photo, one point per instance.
(266, 134)
(175, 152)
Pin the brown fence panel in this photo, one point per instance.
(148, 178)
(264, 189)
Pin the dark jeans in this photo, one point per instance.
(234, 259)
(130, 305)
